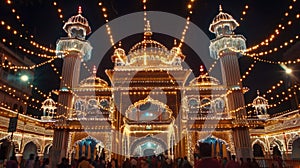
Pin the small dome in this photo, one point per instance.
(223, 18)
(119, 53)
(78, 20)
(49, 104)
(204, 80)
(93, 81)
(259, 101)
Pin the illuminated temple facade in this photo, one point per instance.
(151, 107)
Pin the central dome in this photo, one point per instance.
(149, 52)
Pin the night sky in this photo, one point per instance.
(41, 20)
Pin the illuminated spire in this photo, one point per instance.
(257, 92)
(147, 30)
(79, 10)
(94, 70)
(220, 8)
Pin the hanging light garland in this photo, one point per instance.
(59, 11)
(247, 73)
(187, 23)
(244, 12)
(108, 29)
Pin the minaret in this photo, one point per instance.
(223, 47)
(73, 50)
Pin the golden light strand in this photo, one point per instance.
(19, 35)
(280, 27)
(108, 29)
(59, 11)
(244, 12)
(247, 73)
(187, 23)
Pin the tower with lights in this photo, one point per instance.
(223, 47)
(73, 50)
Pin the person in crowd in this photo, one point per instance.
(12, 163)
(126, 164)
(37, 162)
(254, 164)
(46, 163)
(224, 162)
(206, 160)
(186, 163)
(30, 162)
(23, 163)
(232, 163)
(64, 163)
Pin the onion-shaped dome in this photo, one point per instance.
(93, 81)
(204, 80)
(149, 51)
(77, 20)
(49, 104)
(259, 101)
(222, 18)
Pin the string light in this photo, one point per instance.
(247, 72)
(280, 27)
(59, 11)
(187, 23)
(35, 44)
(244, 12)
(27, 67)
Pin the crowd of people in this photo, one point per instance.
(203, 160)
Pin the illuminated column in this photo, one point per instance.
(223, 47)
(73, 49)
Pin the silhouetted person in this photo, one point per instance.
(64, 163)
(206, 160)
(254, 164)
(30, 161)
(232, 163)
(37, 163)
(45, 163)
(12, 163)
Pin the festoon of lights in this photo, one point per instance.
(12, 92)
(33, 43)
(15, 13)
(15, 32)
(108, 29)
(270, 39)
(27, 67)
(59, 11)
(244, 12)
(187, 23)
(243, 77)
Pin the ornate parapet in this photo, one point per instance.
(65, 45)
(227, 42)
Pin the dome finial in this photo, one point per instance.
(148, 31)
(79, 10)
(257, 92)
(94, 70)
(220, 8)
(175, 42)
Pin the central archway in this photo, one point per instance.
(147, 146)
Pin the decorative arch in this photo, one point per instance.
(261, 143)
(220, 148)
(88, 146)
(37, 144)
(278, 143)
(291, 141)
(148, 138)
(135, 109)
